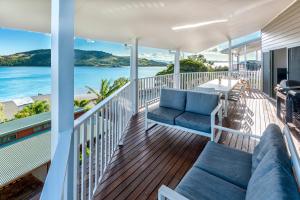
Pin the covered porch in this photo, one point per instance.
(105, 154)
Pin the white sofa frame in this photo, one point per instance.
(218, 110)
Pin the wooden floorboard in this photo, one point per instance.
(164, 155)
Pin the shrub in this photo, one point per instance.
(35, 108)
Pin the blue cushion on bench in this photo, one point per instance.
(201, 103)
(163, 115)
(273, 178)
(174, 99)
(194, 121)
(272, 139)
(198, 184)
(229, 164)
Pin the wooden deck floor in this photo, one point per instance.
(164, 155)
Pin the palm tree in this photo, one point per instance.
(106, 89)
(81, 103)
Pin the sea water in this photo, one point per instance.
(18, 82)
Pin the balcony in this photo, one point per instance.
(122, 161)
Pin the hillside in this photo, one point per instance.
(42, 57)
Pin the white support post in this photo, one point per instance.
(177, 69)
(134, 74)
(62, 80)
(245, 57)
(229, 58)
(238, 61)
(256, 55)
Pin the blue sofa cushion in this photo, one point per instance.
(174, 99)
(272, 139)
(194, 121)
(273, 178)
(229, 164)
(276, 183)
(163, 115)
(198, 184)
(201, 103)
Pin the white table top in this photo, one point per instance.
(226, 85)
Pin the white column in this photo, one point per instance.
(256, 55)
(238, 61)
(229, 58)
(62, 80)
(177, 69)
(134, 74)
(245, 57)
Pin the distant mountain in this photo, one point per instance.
(42, 57)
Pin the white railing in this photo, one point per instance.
(253, 77)
(149, 88)
(89, 148)
(191, 80)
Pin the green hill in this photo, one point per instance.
(42, 57)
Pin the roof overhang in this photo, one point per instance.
(151, 21)
(251, 46)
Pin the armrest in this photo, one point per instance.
(148, 103)
(152, 100)
(165, 192)
(216, 110)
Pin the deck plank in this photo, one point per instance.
(164, 155)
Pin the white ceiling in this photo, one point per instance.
(150, 20)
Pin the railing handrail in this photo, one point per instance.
(54, 183)
(156, 76)
(204, 72)
(92, 111)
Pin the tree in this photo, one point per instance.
(36, 107)
(194, 63)
(2, 115)
(81, 103)
(106, 88)
(186, 65)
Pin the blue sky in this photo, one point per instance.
(13, 41)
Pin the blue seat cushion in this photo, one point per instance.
(171, 98)
(201, 103)
(271, 139)
(200, 185)
(163, 115)
(229, 164)
(194, 121)
(273, 179)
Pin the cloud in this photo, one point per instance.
(157, 56)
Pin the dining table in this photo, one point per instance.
(223, 86)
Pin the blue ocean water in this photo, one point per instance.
(18, 82)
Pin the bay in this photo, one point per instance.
(18, 82)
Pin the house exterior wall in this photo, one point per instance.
(279, 41)
(283, 31)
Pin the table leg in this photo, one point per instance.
(226, 104)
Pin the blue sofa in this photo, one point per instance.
(186, 110)
(224, 173)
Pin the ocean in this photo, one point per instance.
(18, 82)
